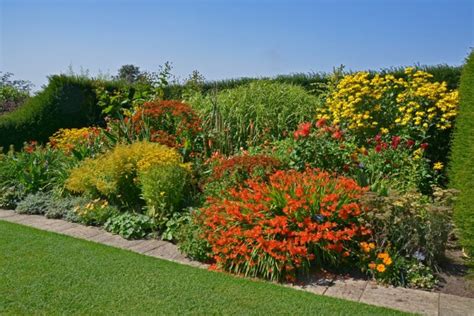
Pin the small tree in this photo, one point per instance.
(129, 73)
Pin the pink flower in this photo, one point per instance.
(424, 146)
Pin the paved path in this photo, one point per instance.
(415, 301)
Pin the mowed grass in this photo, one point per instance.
(47, 273)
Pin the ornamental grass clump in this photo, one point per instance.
(272, 229)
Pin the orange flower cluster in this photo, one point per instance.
(270, 229)
(169, 122)
(243, 166)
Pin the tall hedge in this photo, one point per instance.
(462, 158)
(67, 101)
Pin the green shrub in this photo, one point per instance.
(130, 225)
(252, 114)
(164, 191)
(191, 241)
(34, 169)
(461, 171)
(37, 203)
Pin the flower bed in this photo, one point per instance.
(361, 187)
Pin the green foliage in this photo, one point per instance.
(130, 225)
(34, 169)
(96, 212)
(411, 225)
(164, 190)
(461, 171)
(253, 114)
(190, 240)
(63, 207)
(37, 203)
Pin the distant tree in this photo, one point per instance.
(129, 73)
(13, 93)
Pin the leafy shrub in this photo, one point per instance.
(191, 241)
(116, 175)
(66, 102)
(272, 229)
(130, 225)
(35, 168)
(412, 225)
(228, 172)
(252, 114)
(462, 163)
(96, 212)
(37, 203)
(164, 190)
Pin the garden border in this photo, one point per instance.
(409, 300)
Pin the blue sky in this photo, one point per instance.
(224, 39)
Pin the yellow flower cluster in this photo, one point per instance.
(123, 164)
(382, 102)
(424, 103)
(67, 139)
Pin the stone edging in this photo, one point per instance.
(409, 300)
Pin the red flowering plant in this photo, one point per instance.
(273, 228)
(395, 162)
(226, 172)
(318, 145)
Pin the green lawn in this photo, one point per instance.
(44, 273)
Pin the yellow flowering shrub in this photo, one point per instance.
(116, 174)
(66, 139)
(370, 104)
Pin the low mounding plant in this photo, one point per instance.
(96, 212)
(37, 203)
(252, 114)
(130, 225)
(273, 229)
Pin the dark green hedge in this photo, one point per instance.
(66, 101)
(462, 158)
